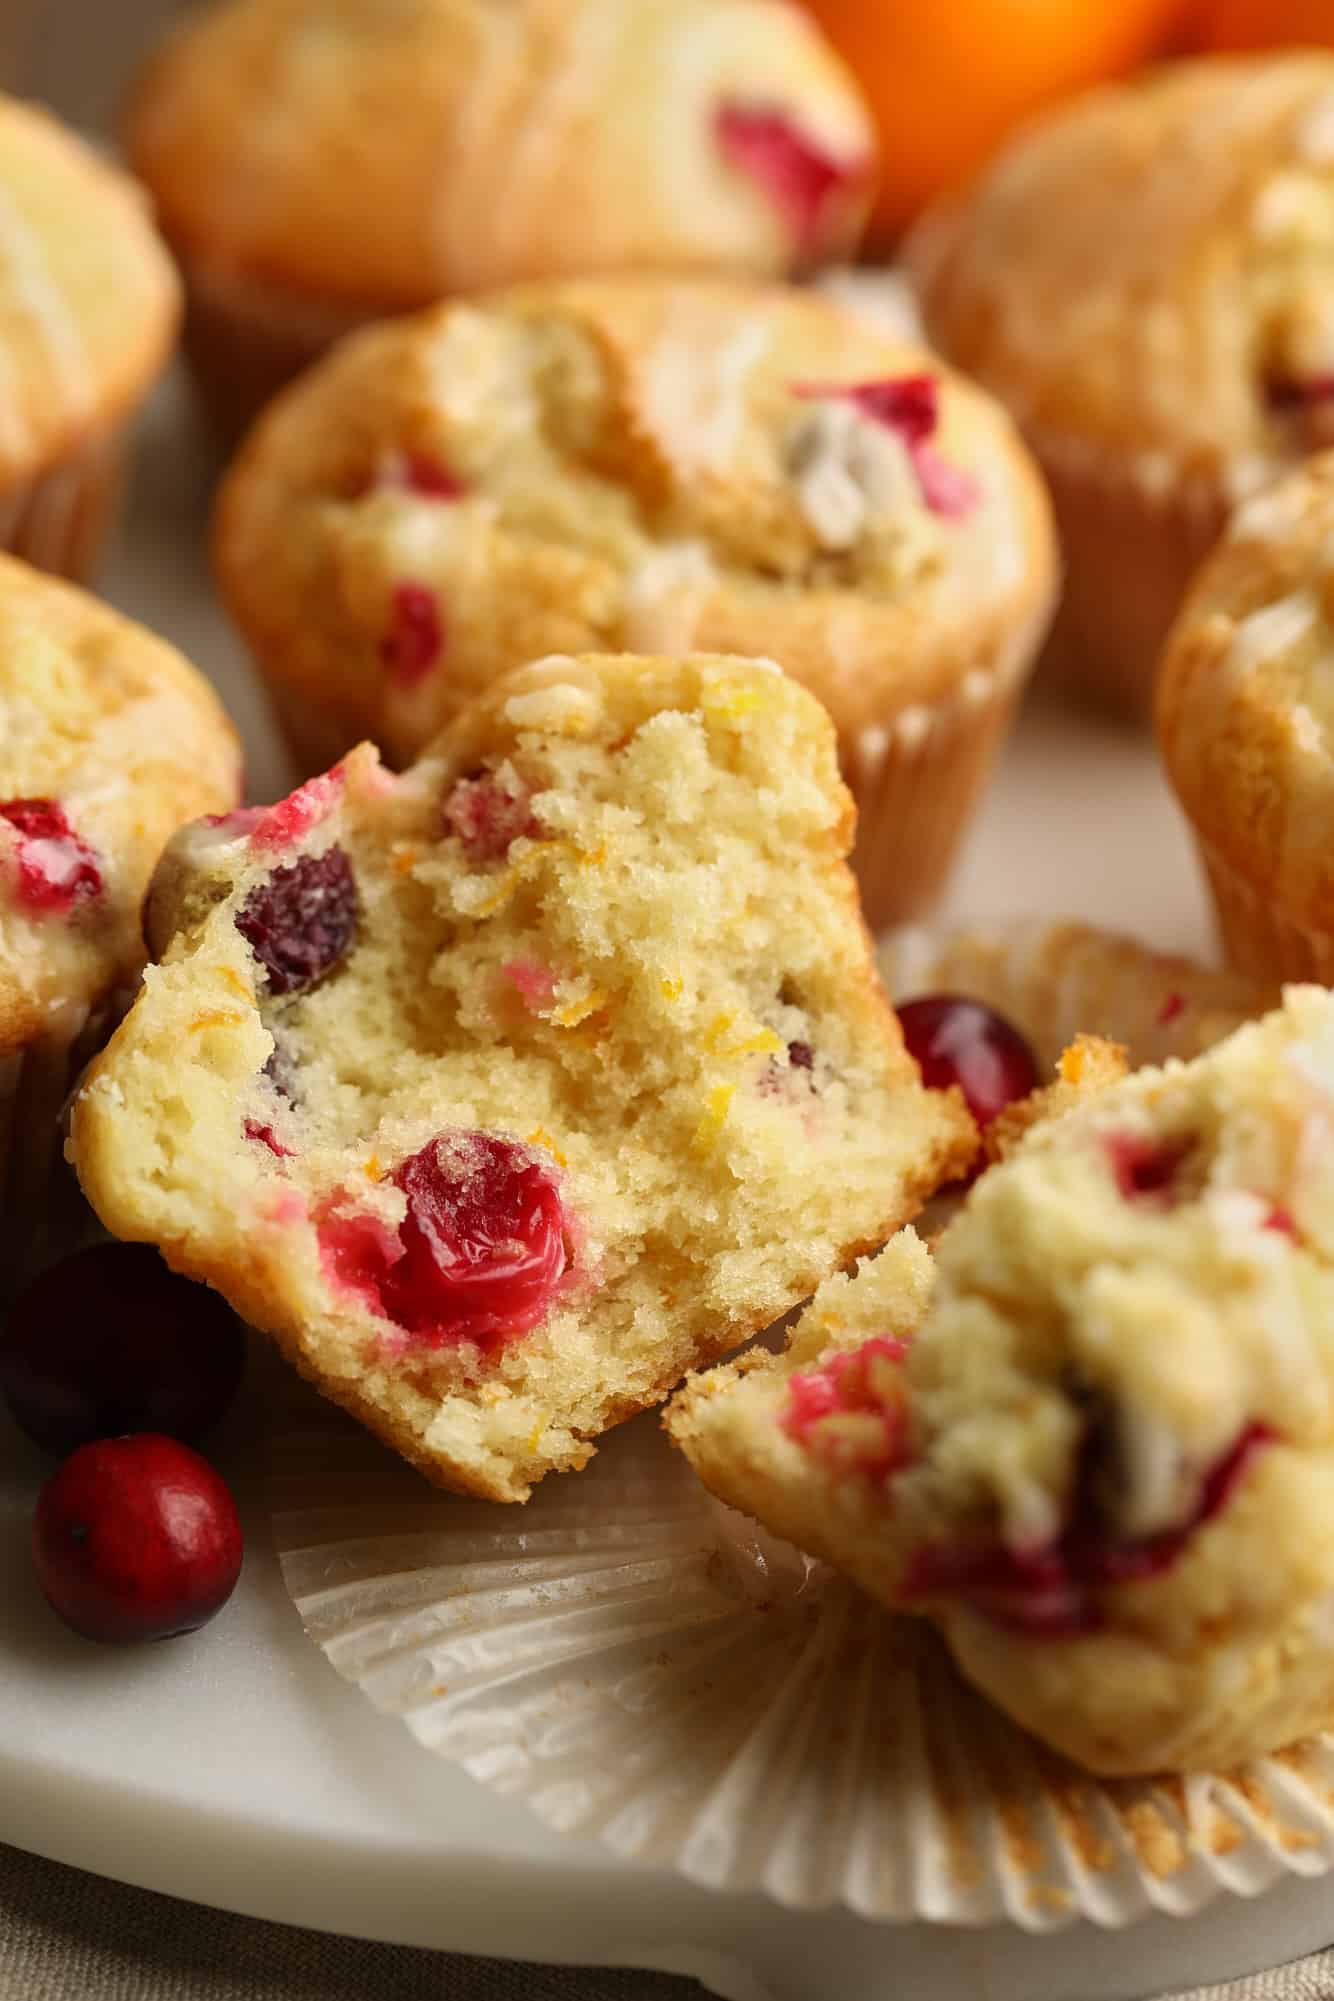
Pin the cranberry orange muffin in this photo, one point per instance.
(504, 1092)
(88, 314)
(1244, 716)
(1144, 277)
(646, 465)
(108, 743)
(321, 163)
(1104, 1464)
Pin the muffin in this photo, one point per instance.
(1145, 278)
(88, 314)
(1242, 714)
(109, 741)
(321, 163)
(504, 1092)
(645, 465)
(1104, 1464)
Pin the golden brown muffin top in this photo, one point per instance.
(109, 741)
(388, 154)
(1150, 270)
(632, 465)
(1246, 695)
(88, 297)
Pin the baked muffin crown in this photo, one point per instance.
(109, 740)
(1147, 269)
(600, 949)
(1243, 711)
(627, 463)
(389, 155)
(89, 300)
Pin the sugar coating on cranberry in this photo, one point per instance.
(480, 1254)
(57, 869)
(281, 826)
(111, 1340)
(415, 639)
(959, 1041)
(804, 182)
(851, 1411)
(136, 1539)
(489, 811)
(909, 406)
(300, 923)
(1053, 1590)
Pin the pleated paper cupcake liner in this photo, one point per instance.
(44, 1214)
(59, 520)
(642, 1665)
(1055, 980)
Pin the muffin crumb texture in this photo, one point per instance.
(1112, 1470)
(503, 1092)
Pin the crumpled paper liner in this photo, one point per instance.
(646, 1667)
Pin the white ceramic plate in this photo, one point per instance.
(236, 1769)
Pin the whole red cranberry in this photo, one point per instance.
(136, 1539)
(302, 921)
(109, 1341)
(958, 1041)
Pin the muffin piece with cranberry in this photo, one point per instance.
(108, 742)
(652, 465)
(322, 163)
(504, 1092)
(1108, 1467)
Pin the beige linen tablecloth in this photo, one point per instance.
(65, 1936)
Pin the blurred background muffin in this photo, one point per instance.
(1145, 278)
(88, 316)
(651, 466)
(320, 163)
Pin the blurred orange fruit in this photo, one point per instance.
(1264, 24)
(947, 79)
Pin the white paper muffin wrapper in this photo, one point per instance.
(58, 521)
(643, 1666)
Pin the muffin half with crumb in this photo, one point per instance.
(504, 1092)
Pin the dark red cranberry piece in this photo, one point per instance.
(483, 1241)
(1147, 1170)
(1285, 393)
(1052, 1591)
(804, 183)
(136, 1539)
(56, 867)
(265, 1136)
(110, 1340)
(422, 473)
(416, 636)
(1171, 1010)
(801, 1056)
(488, 814)
(957, 1041)
(281, 1072)
(301, 921)
(480, 1254)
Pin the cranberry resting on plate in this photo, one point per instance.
(1105, 1457)
(504, 1092)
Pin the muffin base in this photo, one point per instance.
(1130, 548)
(1258, 939)
(59, 520)
(916, 779)
(246, 339)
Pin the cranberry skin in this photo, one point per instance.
(109, 1341)
(56, 867)
(483, 1241)
(302, 920)
(804, 183)
(958, 1041)
(136, 1539)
